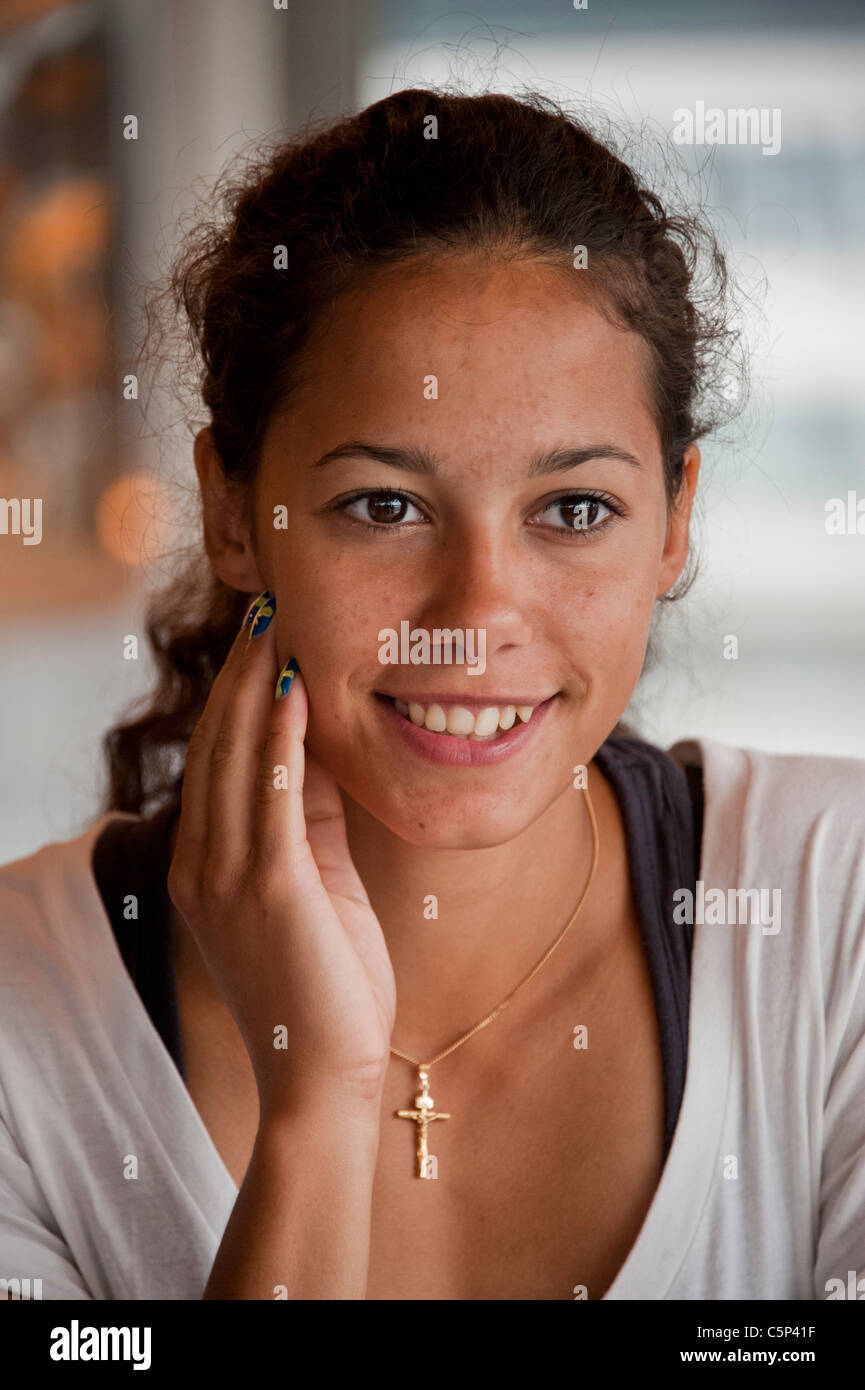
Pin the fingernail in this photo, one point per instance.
(286, 678)
(260, 614)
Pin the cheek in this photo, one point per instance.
(616, 596)
(329, 619)
(605, 620)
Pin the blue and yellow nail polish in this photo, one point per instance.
(286, 678)
(260, 614)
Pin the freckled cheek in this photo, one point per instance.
(623, 607)
(604, 625)
(622, 595)
(332, 628)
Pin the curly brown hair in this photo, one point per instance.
(506, 177)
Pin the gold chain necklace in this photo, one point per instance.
(425, 1112)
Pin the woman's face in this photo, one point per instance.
(481, 372)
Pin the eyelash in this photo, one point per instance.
(582, 536)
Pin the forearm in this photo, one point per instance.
(301, 1222)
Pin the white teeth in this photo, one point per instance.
(459, 721)
(435, 719)
(487, 721)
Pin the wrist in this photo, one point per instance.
(330, 1113)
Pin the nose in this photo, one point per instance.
(478, 582)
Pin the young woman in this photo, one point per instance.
(424, 978)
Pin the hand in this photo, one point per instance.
(263, 876)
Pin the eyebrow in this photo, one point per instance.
(419, 460)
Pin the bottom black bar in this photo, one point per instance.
(76, 1338)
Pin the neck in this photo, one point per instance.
(498, 910)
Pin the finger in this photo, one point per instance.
(327, 834)
(237, 750)
(300, 824)
(280, 826)
(193, 826)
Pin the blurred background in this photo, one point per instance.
(88, 215)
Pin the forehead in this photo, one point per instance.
(459, 344)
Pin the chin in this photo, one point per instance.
(449, 821)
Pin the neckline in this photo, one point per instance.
(655, 1259)
(637, 771)
(685, 1182)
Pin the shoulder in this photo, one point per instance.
(777, 803)
(792, 827)
(52, 922)
(62, 990)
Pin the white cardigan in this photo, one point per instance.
(763, 1192)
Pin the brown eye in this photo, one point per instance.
(580, 516)
(386, 508)
(579, 513)
(381, 510)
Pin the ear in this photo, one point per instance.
(226, 535)
(675, 551)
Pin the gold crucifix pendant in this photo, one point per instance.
(423, 1115)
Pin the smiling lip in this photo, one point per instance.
(461, 752)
